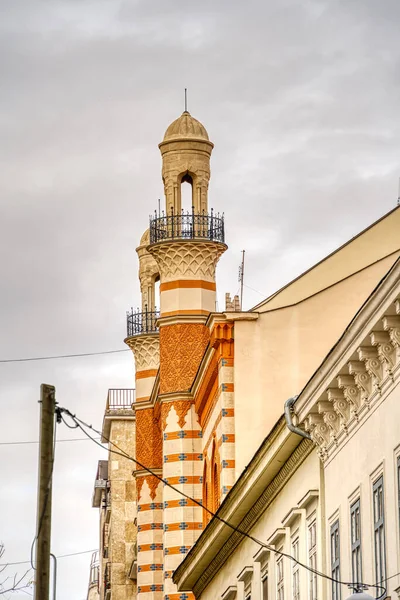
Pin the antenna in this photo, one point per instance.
(398, 195)
(159, 208)
(241, 278)
(186, 100)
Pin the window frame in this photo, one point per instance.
(355, 541)
(295, 568)
(264, 584)
(280, 577)
(312, 558)
(398, 491)
(335, 559)
(379, 529)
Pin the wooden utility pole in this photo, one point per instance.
(43, 523)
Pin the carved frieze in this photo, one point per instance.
(146, 349)
(187, 259)
(340, 409)
(182, 347)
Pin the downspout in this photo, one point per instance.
(288, 416)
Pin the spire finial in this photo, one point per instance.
(186, 100)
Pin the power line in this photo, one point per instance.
(85, 439)
(81, 424)
(26, 562)
(35, 358)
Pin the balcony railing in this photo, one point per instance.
(139, 323)
(120, 398)
(187, 226)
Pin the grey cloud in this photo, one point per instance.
(301, 101)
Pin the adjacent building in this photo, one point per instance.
(207, 417)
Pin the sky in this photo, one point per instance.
(301, 99)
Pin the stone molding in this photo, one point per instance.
(146, 349)
(363, 380)
(187, 259)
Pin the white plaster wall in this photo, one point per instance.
(276, 355)
(304, 479)
(351, 473)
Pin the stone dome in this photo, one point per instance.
(186, 127)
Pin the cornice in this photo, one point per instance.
(242, 316)
(177, 319)
(359, 371)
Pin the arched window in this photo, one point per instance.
(186, 193)
(206, 499)
(215, 485)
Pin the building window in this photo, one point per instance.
(247, 591)
(206, 500)
(379, 530)
(335, 560)
(355, 533)
(280, 582)
(264, 585)
(312, 559)
(398, 488)
(295, 570)
(215, 484)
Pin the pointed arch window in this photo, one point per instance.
(215, 479)
(206, 498)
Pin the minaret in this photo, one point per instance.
(181, 250)
(143, 339)
(186, 247)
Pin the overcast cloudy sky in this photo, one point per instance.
(300, 97)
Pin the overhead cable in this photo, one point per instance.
(82, 424)
(36, 358)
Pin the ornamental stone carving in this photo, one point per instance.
(392, 325)
(187, 259)
(148, 439)
(349, 403)
(182, 347)
(146, 349)
(329, 416)
(361, 378)
(338, 410)
(386, 352)
(372, 364)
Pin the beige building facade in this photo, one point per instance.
(331, 501)
(205, 424)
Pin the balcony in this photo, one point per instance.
(119, 406)
(121, 398)
(140, 323)
(187, 226)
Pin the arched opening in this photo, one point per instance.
(206, 501)
(215, 485)
(157, 293)
(186, 192)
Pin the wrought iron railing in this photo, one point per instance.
(141, 322)
(120, 398)
(188, 226)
